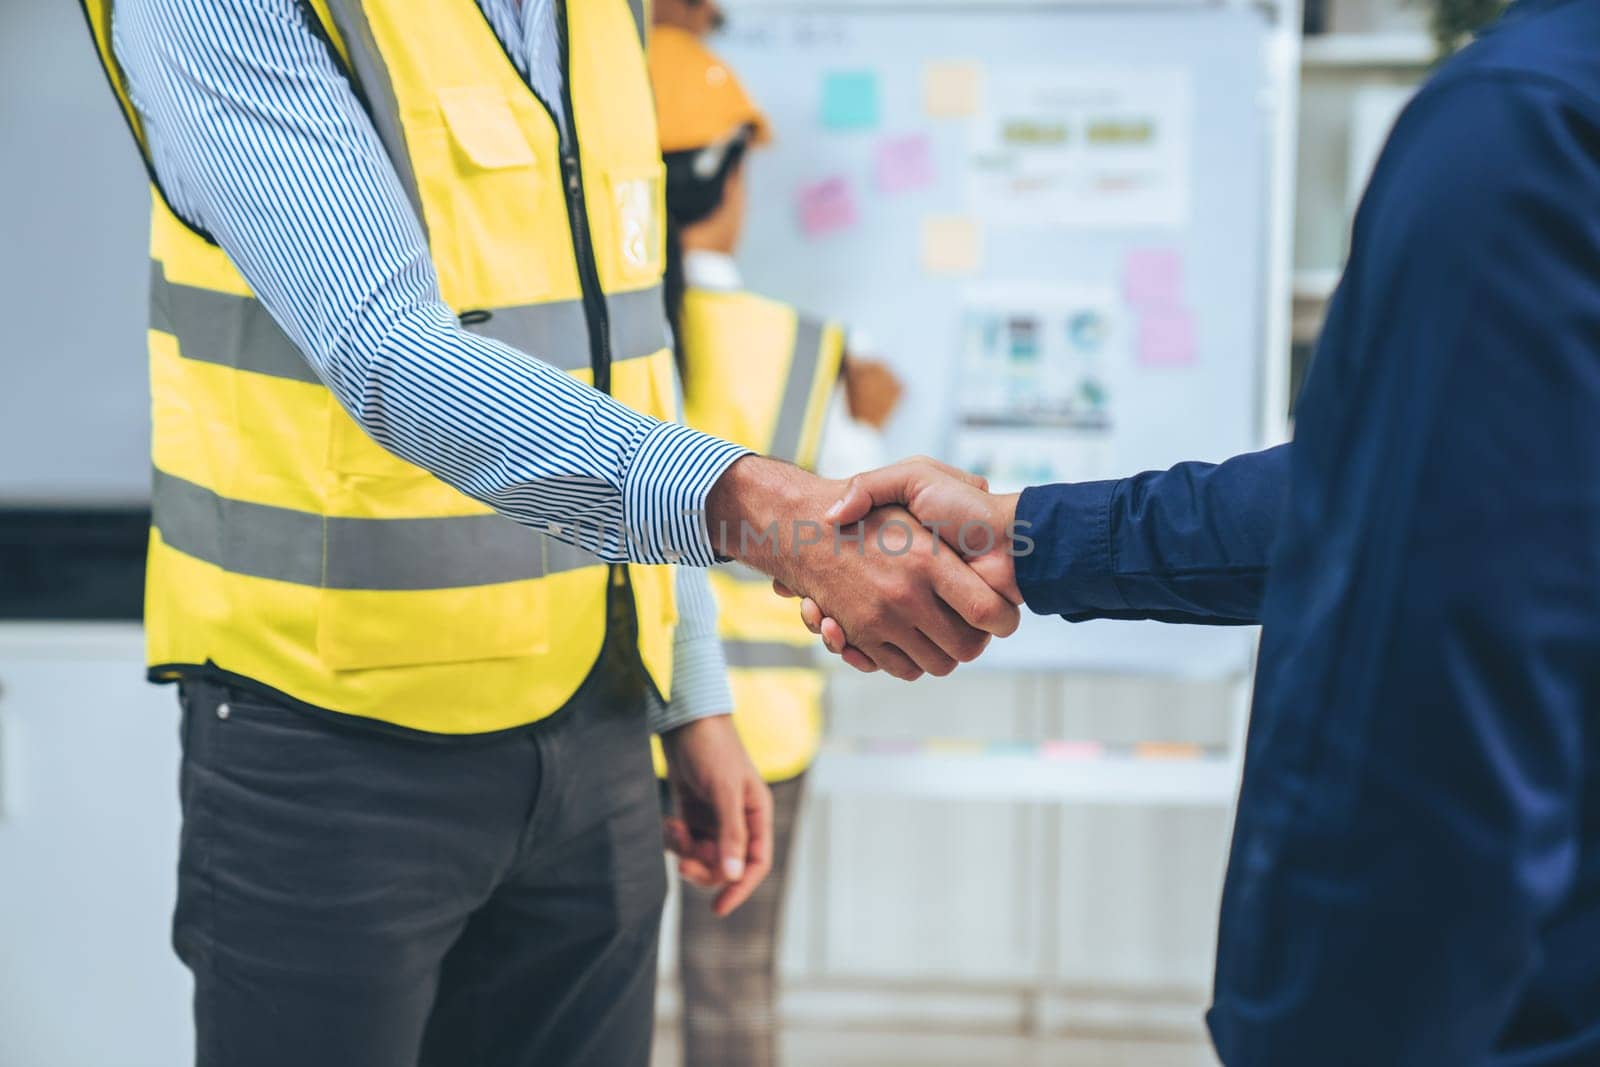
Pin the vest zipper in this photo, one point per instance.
(594, 300)
(621, 610)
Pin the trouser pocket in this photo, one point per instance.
(326, 870)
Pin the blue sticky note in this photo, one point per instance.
(850, 100)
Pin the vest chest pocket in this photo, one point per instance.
(487, 171)
(484, 129)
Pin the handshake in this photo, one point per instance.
(908, 569)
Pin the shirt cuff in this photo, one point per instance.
(1070, 568)
(664, 494)
(699, 684)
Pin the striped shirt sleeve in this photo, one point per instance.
(257, 139)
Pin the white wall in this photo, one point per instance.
(74, 402)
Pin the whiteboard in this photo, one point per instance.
(871, 273)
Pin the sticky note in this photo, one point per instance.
(1153, 278)
(951, 90)
(1166, 338)
(951, 244)
(1072, 749)
(1167, 750)
(952, 746)
(825, 207)
(850, 100)
(904, 163)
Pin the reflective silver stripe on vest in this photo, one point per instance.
(791, 423)
(638, 323)
(558, 332)
(236, 331)
(767, 655)
(302, 547)
(231, 331)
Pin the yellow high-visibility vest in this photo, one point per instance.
(291, 550)
(759, 374)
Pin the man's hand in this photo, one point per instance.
(952, 502)
(721, 829)
(978, 525)
(910, 604)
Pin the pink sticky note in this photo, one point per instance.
(826, 207)
(904, 163)
(1153, 277)
(1166, 338)
(1072, 749)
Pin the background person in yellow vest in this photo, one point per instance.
(757, 372)
(391, 286)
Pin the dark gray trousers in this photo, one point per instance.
(361, 898)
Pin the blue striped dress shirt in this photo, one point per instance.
(258, 139)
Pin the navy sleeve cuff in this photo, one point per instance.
(1069, 569)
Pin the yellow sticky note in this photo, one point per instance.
(951, 90)
(1167, 750)
(951, 244)
(953, 746)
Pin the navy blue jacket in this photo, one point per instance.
(1415, 872)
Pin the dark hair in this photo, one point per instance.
(697, 181)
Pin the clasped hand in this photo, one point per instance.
(911, 563)
(979, 526)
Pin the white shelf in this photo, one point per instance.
(1107, 780)
(1367, 51)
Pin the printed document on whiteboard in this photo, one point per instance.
(1083, 146)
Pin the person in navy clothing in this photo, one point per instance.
(1415, 870)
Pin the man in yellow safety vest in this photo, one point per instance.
(409, 562)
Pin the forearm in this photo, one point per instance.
(699, 669)
(764, 513)
(1189, 544)
(530, 440)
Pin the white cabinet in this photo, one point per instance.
(926, 902)
(88, 853)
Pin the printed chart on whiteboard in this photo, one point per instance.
(1084, 146)
(1036, 399)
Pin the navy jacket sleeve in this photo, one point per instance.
(1409, 881)
(1188, 544)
